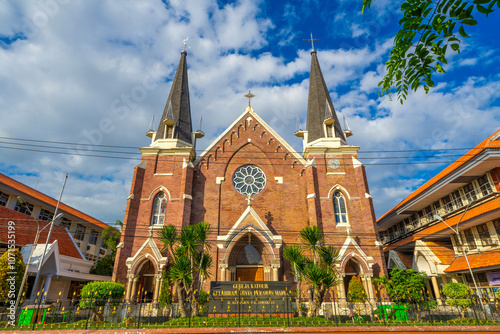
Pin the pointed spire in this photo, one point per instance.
(177, 112)
(347, 129)
(152, 124)
(320, 105)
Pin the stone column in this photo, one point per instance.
(436, 289)
(371, 293)
(158, 281)
(129, 287)
(428, 285)
(133, 294)
(223, 269)
(274, 268)
(48, 279)
(267, 273)
(341, 294)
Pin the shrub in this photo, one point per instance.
(356, 292)
(104, 266)
(458, 295)
(98, 293)
(15, 265)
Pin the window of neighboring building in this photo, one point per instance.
(94, 235)
(79, 232)
(447, 204)
(45, 215)
(484, 234)
(25, 208)
(496, 224)
(484, 185)
(3, 198)
(469, 239)
(457, 199)
(340, 208)
(429, 213)
(66, 223)
(159, 209)
(470, 192)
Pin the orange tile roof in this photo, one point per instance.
(478, 210)
(487, 143)
(407, 259)
(49, 200)
(483, 260)
(25, 232)
(443, 250)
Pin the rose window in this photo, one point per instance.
(249, 180)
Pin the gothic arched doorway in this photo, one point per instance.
(351, 269)
(146, 280)
(246, 259)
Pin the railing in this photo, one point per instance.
(450, 207)
(236, 312)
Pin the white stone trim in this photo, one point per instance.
(338, 187)
(186, 196)
(266, 127)
(161, 261)
(356, 163)
(279, 179)
(249, 211)
(162, 188)
(311, 196)
(219, 179)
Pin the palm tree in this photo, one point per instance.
(312, 237)
(180, 273)
(319, 272)
(295, 255)
(188, 258)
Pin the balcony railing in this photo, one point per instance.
(456, 204)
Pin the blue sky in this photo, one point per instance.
(97, 71)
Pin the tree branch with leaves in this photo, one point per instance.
(428, 29)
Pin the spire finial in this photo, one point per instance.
(185, 44)
(312, 40)
(249, 96)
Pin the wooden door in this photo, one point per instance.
(249, 274)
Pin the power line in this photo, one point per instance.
(201, 150)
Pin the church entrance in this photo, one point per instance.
(146, 281)
(249, 264)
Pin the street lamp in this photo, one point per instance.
(48, 237)
(38, 232)
(455, 230)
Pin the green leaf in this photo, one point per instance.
(439, 68)
(481, 2)
(483, 9)
(469, 22)
(462, 33)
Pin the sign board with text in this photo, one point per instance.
(250, 297)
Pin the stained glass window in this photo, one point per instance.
(339, 208)
(159, 209)
(249, 180)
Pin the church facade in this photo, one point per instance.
(254, 190)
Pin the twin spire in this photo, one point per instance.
(322, 121)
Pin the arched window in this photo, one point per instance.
(339, 208)
(159, 209)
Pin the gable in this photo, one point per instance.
(253, 128)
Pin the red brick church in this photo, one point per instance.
(254, 189)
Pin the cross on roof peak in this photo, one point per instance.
(312, 40)
(249, 96)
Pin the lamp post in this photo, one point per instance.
(48, 238)
(455, 230)
(38, 232)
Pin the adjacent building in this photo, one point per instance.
(64, 269)
(254, 190)
(419, 232)
(85, 229)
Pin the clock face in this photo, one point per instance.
(333, 163)
(249, 180)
